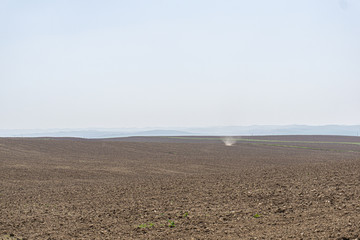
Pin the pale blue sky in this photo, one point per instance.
(114, 64)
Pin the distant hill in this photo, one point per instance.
(256, 130)
(162, 133)
(346, 130)
(92, 133)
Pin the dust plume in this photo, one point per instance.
(229, 141)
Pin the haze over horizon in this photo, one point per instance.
(127, 64)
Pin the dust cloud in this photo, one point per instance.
(228, 141)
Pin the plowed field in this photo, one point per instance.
(283, 187)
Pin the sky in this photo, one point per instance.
(178, 63)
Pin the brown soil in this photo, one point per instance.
(135, 188)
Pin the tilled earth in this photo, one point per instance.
(186, 188)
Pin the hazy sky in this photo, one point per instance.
(82, 63)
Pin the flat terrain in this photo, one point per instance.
(273, 187)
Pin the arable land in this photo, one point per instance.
(270, 187)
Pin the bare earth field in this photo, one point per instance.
(274, 187)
